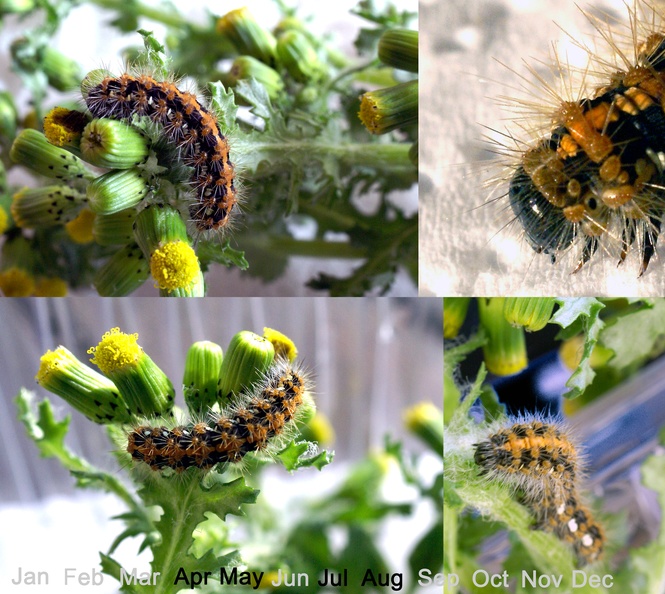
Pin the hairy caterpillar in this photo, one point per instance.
(595, 177)
(187, 124)
(262, 415)
(541, 460)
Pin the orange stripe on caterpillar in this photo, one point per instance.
(248, 426)
(187, 124)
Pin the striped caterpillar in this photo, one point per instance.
(186, 123)
(540, 460)
(248, 426)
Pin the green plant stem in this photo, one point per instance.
(176, 544)
(325, 214)
(315, 248)
(153, 13)
(392, 157)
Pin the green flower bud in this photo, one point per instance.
(46, 207)
(202, 369)
(505, 350)
(32, 150)
(248, 358)
(292, 23)
(144, 386)
(388, 109)
(298, 56)
(89, 392)
(531, 312)
(117, 190)
(124, 272)
(454, 314)
(114, 229)
(113, 144)
(158, 224)
(92, 79)
(399, 48)
(247, 35)
(426, 421)
(62, 72)
(8, 115)
(284, 347)
(246, 67)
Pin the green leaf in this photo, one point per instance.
(213, 251)
(47, 433)
(636, 337)
(298, 455)
(572, 314)
(256, 95)
(223, 104)
(185, 501)
(111, 567)
(154, 55)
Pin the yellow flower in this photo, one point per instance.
(51, 287)
(80, 228)
(16, 282)
(284, 346)
(116, 351)
(63, 127)
(144, 386)
(174, 266)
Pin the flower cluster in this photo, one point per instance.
(131, 386)
(390, 108)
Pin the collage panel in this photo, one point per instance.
(554, 427)
(221, 445)
(545, 174)
(242, 148)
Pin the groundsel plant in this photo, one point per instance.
(217, 146)
(246, 407)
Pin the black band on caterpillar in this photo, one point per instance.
(228, 437)
(186, 123)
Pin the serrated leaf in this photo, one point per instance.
(224, 105)
(111, 567)
(185, 500)
(256, 95)
(636, 337)
(211, 251)
(47, 433)
(572, 313)
(298, 455)
(154, 55)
